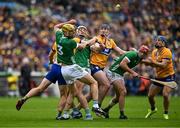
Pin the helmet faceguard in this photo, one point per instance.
(82, 31)
(162, 39)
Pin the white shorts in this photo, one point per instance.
(73, 72)
(87, 70)
(112, 76)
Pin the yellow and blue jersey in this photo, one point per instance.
(100, 59)
(158, 57)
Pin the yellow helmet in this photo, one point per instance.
(68, 27)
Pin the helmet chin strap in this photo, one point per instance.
(104, 35)
(158, 46)
(81, 36)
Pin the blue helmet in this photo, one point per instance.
(162, 38)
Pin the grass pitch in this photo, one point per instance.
(41, 113)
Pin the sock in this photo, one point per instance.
(153, 108)
(59, 114)
(165, 112)
(87, 111)
(75, 110)
(95, 104)
(111, 104)
(25, 98)
(66, 111)
(121, 112)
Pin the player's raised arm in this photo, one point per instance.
(84, 43)
(58, 26)
(153, 63)
(116, 48)
(119, 50)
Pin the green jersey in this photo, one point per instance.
(82, 57)
(65, 48)
(133, 58)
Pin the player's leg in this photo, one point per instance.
(88, 97)
(78, 91)
(103, 84)
(121, 92)
(69, 102)
(153, 90)
(79, 88)
(89, 80)
(119, 86)
(112, 102)
(166, 94)
(62, 102)
(82, 100)
(75, 72)
(33, 92)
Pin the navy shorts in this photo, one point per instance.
(95, 68)
(55, 75)
(165, 79)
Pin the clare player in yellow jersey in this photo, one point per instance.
(161, 60)
(98, 60)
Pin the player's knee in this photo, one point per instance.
(106, 85)
(165, 95)
(123, 92)
(95, 82)
(150, 95)
(63, 93)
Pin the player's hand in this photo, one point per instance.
(72, 21)
(152, 62)
(148, 61)
(102, 46)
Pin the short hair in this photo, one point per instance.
(105, 26)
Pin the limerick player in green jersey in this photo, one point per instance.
(81, 58)
(64, 90)
(65, 71)
(115, 73)
(82, 55)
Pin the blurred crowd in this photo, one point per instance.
(26, 27)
